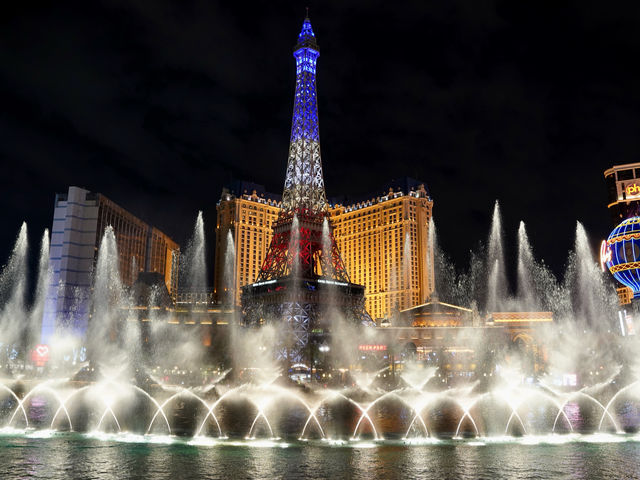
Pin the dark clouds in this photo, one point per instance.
(158, 105)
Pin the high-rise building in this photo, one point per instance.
(79, 221)
(371, 236)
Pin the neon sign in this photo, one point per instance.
(605, 255)
(40, 355)
(372, 348)
(633, 189)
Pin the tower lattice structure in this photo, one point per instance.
(298, 248)
(303, 276)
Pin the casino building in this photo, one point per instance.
(384, 241)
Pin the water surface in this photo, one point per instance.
(54, 456)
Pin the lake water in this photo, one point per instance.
(53, 456)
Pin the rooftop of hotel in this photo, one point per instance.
(406, 186)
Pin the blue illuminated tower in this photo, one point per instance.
(303, 277)
(304, 184)
(304, 196)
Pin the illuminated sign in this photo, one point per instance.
(372, 348)
(605, 255)
(332, 282)
(40, 355)
(633, 189)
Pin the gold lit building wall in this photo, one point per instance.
(372, 237)
(384, 243)
(131, 237)
(249, 217)
(163, 255)
(141, 248)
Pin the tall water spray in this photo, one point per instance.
(443, 270)
(497, 276)
(538, 288)
(229, 271)
(229, 298)
(107, 300)
(593, 300)
(194, 271)
(406, 268)
(172, 346)
(13, 287)
(294, 247)
(431, 255)
(134, 269)
(451, 287)
(42, 286)
(326, 242)
(526, 267)
(326, 257)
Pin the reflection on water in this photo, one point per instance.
(102, 456)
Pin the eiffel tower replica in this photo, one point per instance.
(303, 284)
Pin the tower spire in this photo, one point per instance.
(304, 183)
(302, 277)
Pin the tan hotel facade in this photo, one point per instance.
(372, 236)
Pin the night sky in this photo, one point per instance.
(158, 106)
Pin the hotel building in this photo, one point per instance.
(383, 241)
(79, 221)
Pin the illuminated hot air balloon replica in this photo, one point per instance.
(621, 254)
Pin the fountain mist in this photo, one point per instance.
(497, 281)
(42, 286)
(194, 274)
(229, 279)
(13, 288)
(164, 391)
